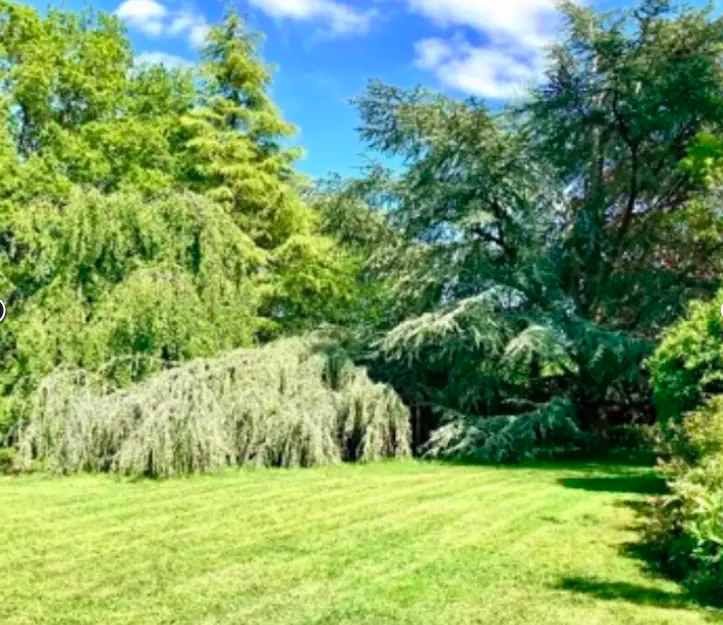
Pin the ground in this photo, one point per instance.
(397, 543)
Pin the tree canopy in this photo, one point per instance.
(509, 280)
(540, 250)
(147, 215)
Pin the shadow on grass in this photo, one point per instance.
(631, 473)
(642, 508)
(648, 484)
(647, 556)
(609, 464)
(622, 591)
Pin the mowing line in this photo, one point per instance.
(11, 557)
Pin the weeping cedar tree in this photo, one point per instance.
(539, 251)
(147, 215)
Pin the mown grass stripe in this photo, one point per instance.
(152, 513)
(428, 544)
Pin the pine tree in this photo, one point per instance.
(235, 154)
(235, 134)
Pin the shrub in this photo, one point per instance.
(8, 459)
(688, 364)
(296, 402)
(687, 376)
(687, 525)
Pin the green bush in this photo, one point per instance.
(687, 525)
(687, 376)
(633, 437)
(295, 402)
(688, 364)
(8, 460)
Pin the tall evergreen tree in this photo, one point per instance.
(234, 151)
(235, 154)
(534, 270)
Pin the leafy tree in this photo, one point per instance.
(78, 111)
(542, 249)
(147, 215)
(120, 284)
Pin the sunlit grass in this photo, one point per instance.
(390, 543)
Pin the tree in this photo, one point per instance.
(77, 109)
(235, 155)
(626, 97)
(533, 271)
(147, 215)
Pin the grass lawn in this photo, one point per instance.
(400, 543)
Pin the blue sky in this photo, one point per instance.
(326, 51)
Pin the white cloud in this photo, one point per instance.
(516, 31)
(341, 18)
(432, 53)
(191, 25)
(482, 71)
(170, 61)
(520, 19)
(144, 15)
(197, 35)
(155, 19)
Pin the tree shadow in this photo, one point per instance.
(641, 484)
(641, 507)
(622, 591)
(643, 550)
(608, 464)
(647, 555)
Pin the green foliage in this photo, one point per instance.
(628, 96)
(705, 159)
(8, 460)
(233, 150)
(76, 109)
(687, 366)
(509, 281)
(234, 155)
(687, 526)
(543, 431)
(147, 216)
(122, 280)
(292, 403)
(537, 253)
(361, 230)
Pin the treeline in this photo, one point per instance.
(500, 296)
(509, 282)
(148, 216)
